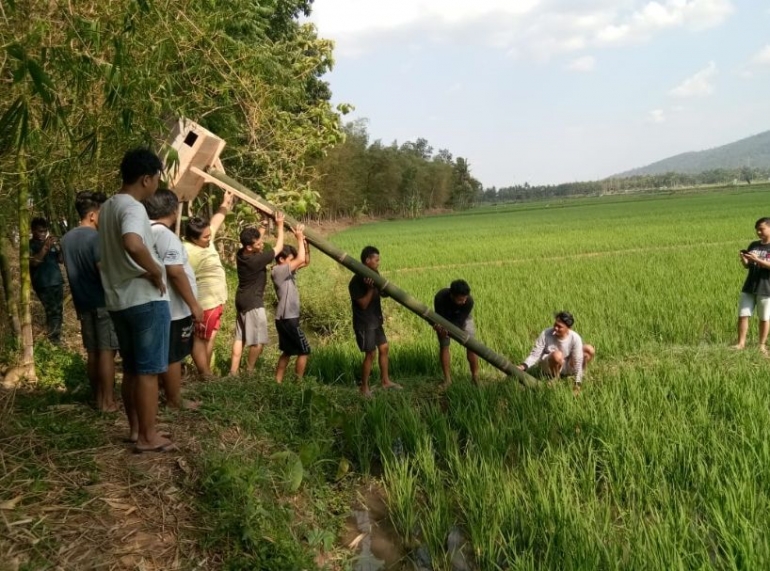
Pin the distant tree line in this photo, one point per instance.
(357, 177)
(638, 183)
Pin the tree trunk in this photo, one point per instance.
(9, 289)
(26, 367)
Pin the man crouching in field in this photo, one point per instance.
(455, 305)
(368, 321)
(559, 351)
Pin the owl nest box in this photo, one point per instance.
(195, 150)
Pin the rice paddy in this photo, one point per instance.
(662, 461)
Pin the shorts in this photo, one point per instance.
(369, 339)
(541, 366)
(180, 339)
(212, 321)
(251, 327)
(143, 332)
(469, 328)
(291, 338)
(748, 301)
(97, 330)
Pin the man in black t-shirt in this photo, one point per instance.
(367, 322)
(251, 323)
(756, 289)
(455, 305)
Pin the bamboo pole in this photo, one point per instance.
(225, 182)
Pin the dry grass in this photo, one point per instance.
(94, 508)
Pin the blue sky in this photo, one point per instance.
(547, 91)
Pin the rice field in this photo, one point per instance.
(662, 461)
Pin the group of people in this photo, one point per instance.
(139, 289)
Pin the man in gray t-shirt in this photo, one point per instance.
(80, 247)
(291, 338)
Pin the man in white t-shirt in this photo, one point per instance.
(135, 295)
(162, 210)
(560, 352)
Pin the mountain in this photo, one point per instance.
(752, 151)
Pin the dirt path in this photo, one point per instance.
(94, 508)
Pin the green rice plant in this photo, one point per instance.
(401, 490)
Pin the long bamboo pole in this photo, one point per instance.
(225, 182)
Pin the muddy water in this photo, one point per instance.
(370, 533)
(378, 547)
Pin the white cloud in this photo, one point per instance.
(583, 64)
(657, 116)
(697, 85)
(540, 29)
(762, 57)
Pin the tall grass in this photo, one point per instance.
(663, 461)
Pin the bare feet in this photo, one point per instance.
(159, 445)
(366, 392)
(109, 407)
(739, 347)
(444, 386)
(190, 404)
(391, 385)
(576, 389)
(763, 350)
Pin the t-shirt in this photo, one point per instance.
(252, 276)
(47, 273)
(449, 310)
(80, 247)
(209, 274)
(171, 252)
(571, 347)
(286, 291)
(371, 317)
(758, 279)
(122, 279)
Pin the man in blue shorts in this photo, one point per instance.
(80, 247)
(135, 294)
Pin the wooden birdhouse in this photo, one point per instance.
(195, 150)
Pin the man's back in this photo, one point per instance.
(80, 247)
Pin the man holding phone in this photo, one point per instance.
(755, 293)
(45, 274)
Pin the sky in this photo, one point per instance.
(549, 91)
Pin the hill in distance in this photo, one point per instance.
(752, 151)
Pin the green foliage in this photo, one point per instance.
(358, 178)
(251, 528)
(61, 369)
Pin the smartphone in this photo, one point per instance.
(745, 252)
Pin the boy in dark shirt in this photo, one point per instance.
(367, 322)
(45, 274)
(756, 289)
(251, 323)
(455, 305)
(80, 247)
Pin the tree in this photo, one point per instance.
(80, 82)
